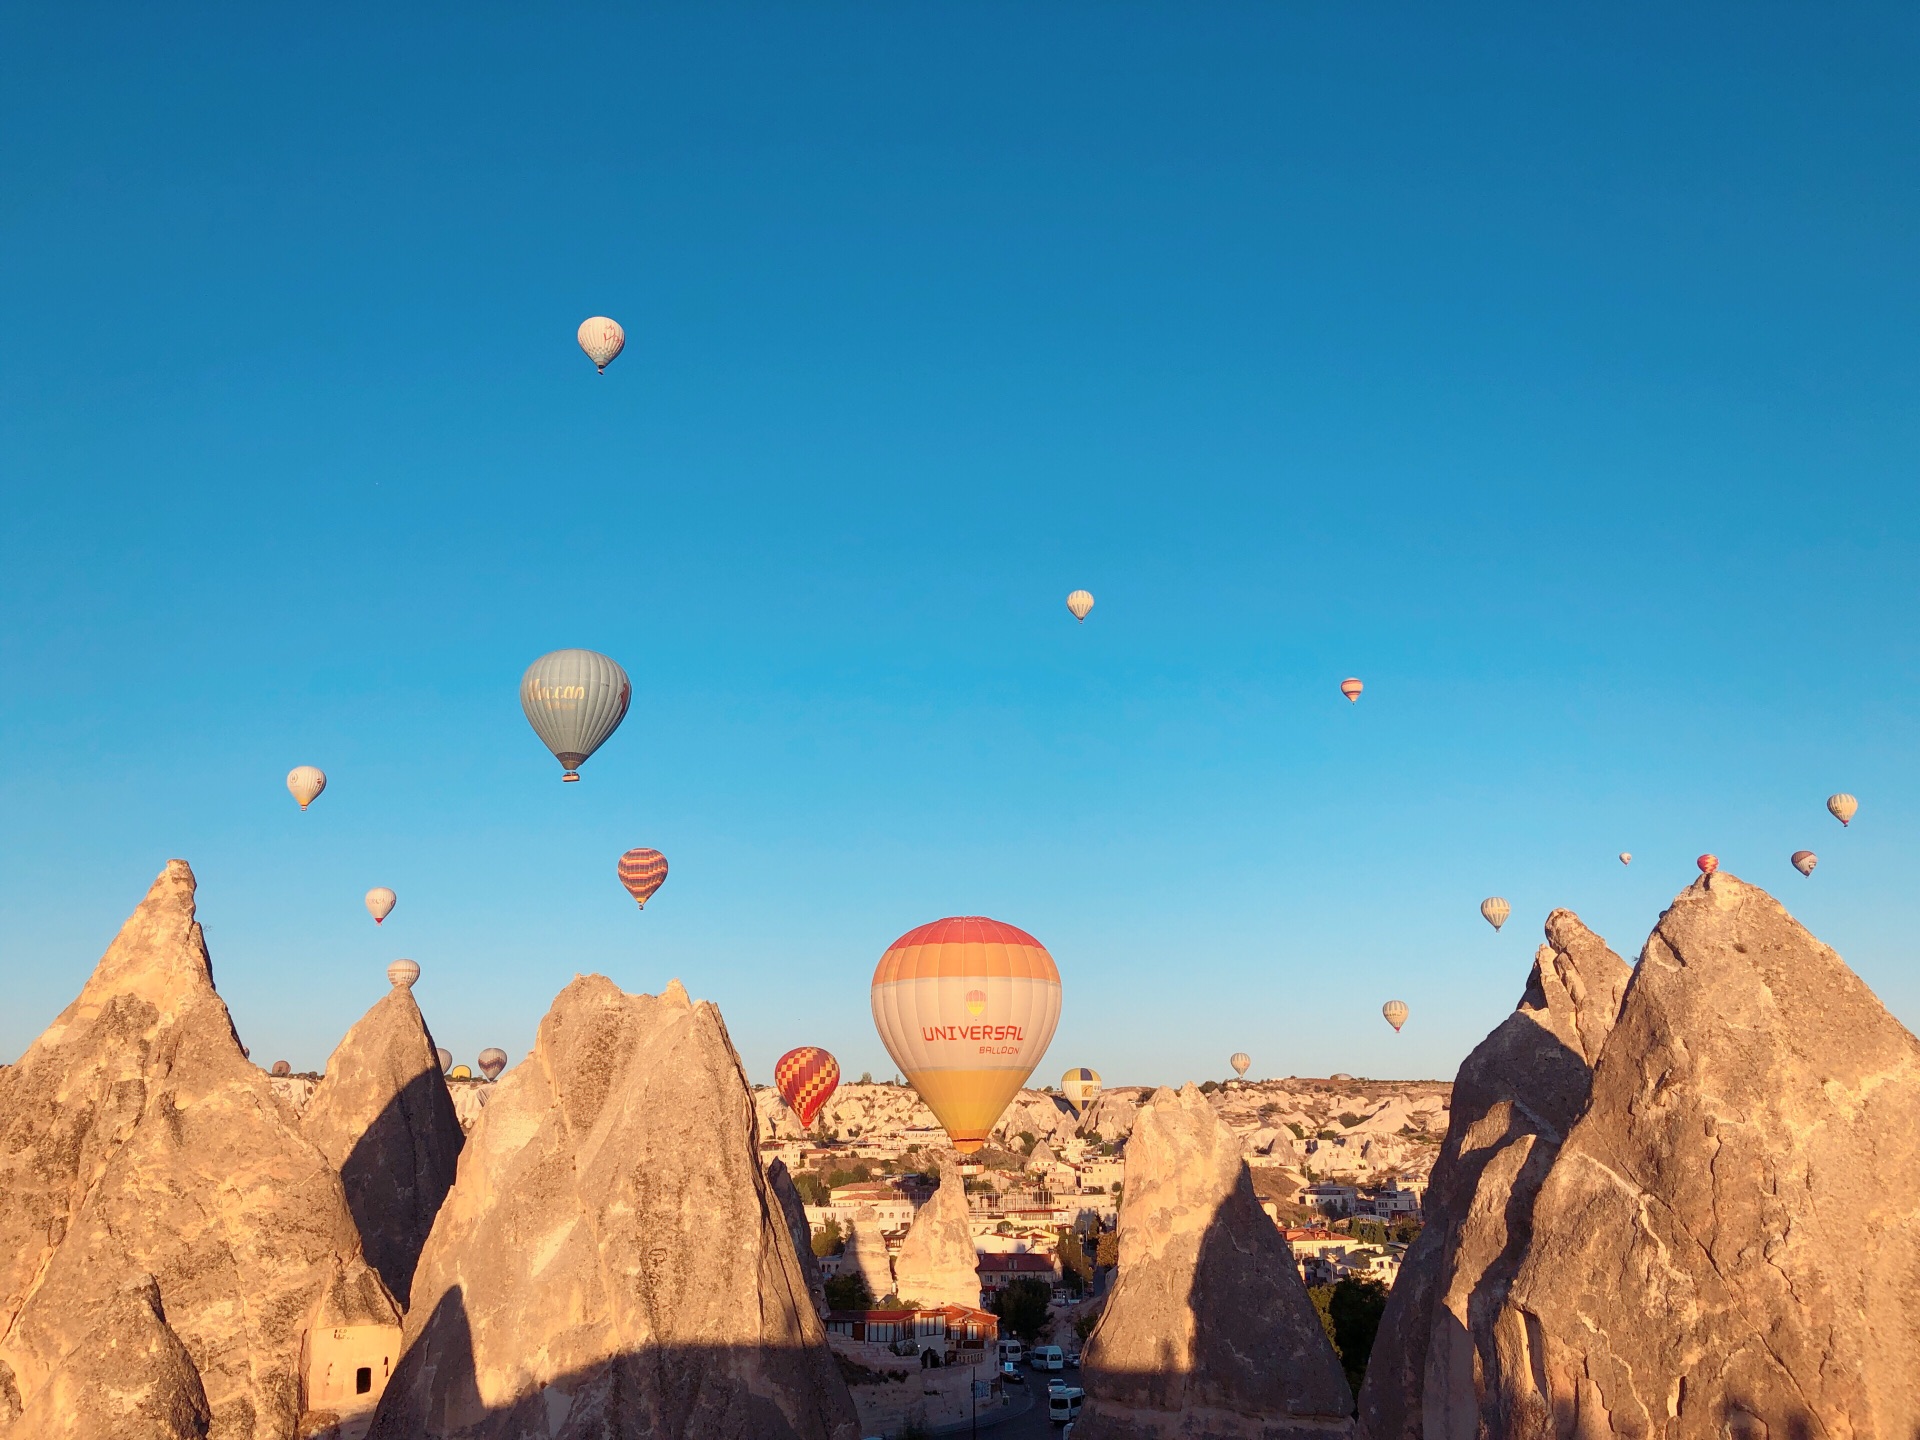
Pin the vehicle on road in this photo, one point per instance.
(1048, 1357)
(1063, 1404)
(1010, 1350)
(1010, 1373)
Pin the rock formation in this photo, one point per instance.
(1514, 1100)
(937, 1263)
(609, 1262)
(1111, 1115)
(1208, 1332)
(383, 1117)
(866, 1252)
(136, 1141)
(1728, 1243)
(794, 1211)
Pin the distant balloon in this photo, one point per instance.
(966, 1007)
(602, 339)
(1625, 858)
(1843, 806)
(281, 1067)
(806, 1078)
(460, 1072)
(643, 872)
(1351, 688)
(492, 1061)
(380, 903)
(307, 781)
(1240, 1061)
(1080, 602)
(574, 700)
(1804, 861)
(403, 973)
(1080, 1085)
(446, 1059)
(1708, 864)
(1495, 910)
(1396, 1013)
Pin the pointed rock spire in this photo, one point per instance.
(937, 1263)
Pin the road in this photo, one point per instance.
(1033, 1425)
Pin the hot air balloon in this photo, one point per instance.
(602, 339)
(574, 700)
(806, 1078)
(1351, 688)
(307, 781)
(1804, 861)
(492, 1061)
(1396, 1013)
(1080, 602)
(1625, 858)
(966, 1007)
(380, 903)
(1495, 910)
(1240, 1061)
(402, 973)
(1080, 1085)
(643, 872)
(460, 1072)
(446, 1059)
(1843, 806)
(1708, 864)
(281, 1067)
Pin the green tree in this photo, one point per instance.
(849, 1292)
(1107, 1250)
(1354, 1307)
(866, 1077)
(828, 1240)
(1075, 1269)
(812, 1192)
(1207, 1087)
(1022, 1307)
(1027, 1141)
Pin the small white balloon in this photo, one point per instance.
(380, 903)
(402, 973)
(305, 782)
(602, 339)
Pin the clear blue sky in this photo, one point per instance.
(1553, 371)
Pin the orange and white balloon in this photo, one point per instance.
(1495, 911)
(643, 871)
(1080, 602)
(602, 339)
(1241, 1062)
(1396, 1013)
(380, 903)
(1626, 858)
(1804, 861)
(1351, 688)
(806, 1078)
(305, 782)
(966, 1007)
(1844, 807)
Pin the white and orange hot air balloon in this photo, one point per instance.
(1495, 911)
(1396, 1013)
(643, 871)
(1804, 861)
(602, 339)
(1241, 1063)
(305, 782)
(1843, 806)
(1080, 603)
(1626, 857)
(966, 1007)
(1351, 688)
(380, 903)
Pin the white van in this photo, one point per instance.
(1049, 1357)
(1063, 1404)
(1010, 1351)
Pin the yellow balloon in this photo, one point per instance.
(460, 1072)
(1844, 807)
(1396, 1013)
(1080, 602)
(966, 1008)
(1080, 1085)
(1495, 911)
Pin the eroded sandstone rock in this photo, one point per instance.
(866, 1252)
(610, 1262)
(1514, 1100)
(382, 1115)
(1208, 1333)
(937, 1263)
(793, 1210)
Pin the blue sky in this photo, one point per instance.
(1553, 372)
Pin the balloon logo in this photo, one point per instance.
(1351, 688)
(1708, 864)
(1843, 806)
(1240, 1061)
(1396, 1013)
(1080, 1085)
(806, 1078)
(1804, 861)
(305, 782)
(574, 699)
(602, 339)
(492, 1061)
(1495, 911)
(380, 903)
(1080, 602)
(402, 973)
(965, 1064)
(1625, 858)
(643, 872)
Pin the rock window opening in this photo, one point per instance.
(363, 1380)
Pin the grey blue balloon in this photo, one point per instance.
(574, 700)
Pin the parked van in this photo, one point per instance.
(1064, 1404)
(1049, 1357)
(1010, 1352)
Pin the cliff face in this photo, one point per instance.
(1516, 1097)
(383, 1117)
(1728, 1242)
(1208, 1331)
(610, 1262)
(793, 1210)
(137, 1141)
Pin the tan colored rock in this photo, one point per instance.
(133, 1381)
(1208, 1333)
(136, 1140)
(937, 1263)
(383, 1117)
(866, 1252)
(1111, 1115)
(1729, 1242)
(793, 1210)
(1514, 1100)
(610, 1262)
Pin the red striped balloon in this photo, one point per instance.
(643, 872)
(806, 1079)
(1708, 864)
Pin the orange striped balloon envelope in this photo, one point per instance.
(1351, 688)
(643, 871)
(806, 1079)
(966, 1007)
